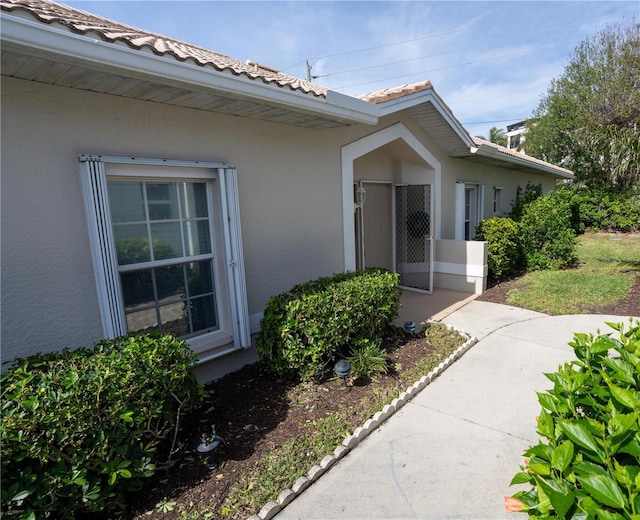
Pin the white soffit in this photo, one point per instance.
(36, 39)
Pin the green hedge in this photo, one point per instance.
(547, 233)
(588, 463)
(601, 209)
(82, 428)
(305, 330)
(504, 248)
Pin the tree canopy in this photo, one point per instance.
(589, 120)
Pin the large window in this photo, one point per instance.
(165, 255)
(167, 249)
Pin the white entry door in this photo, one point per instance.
(414, 241)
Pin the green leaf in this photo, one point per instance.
(625, 397)
(562, 456)
(562, 502)
(621, 423)
(547, 401)
(579, 434)
(21, 495)
(604, 489)
(520, 478)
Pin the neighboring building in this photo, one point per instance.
(150, 183)
(516, 136)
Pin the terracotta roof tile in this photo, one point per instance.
(85, 23)
(389, 94)
(506, 151)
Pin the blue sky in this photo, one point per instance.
(491, 61)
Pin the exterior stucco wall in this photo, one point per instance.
(289, 192)
(454, 170)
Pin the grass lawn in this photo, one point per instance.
(608, 266)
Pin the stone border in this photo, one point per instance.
(271, 509)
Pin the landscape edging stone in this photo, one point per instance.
(361, 432)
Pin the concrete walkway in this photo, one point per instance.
(451, 452)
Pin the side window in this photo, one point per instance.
(497, 192)
(167, 249)
(469, 209)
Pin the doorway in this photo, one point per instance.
(393, 229)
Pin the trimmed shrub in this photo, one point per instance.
(305, 330)
(504, 250)
(82, 428)
(547, 237)
(588, 463)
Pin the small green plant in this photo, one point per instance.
(547, 235)
(504, 250)
(82, 428)
(304, 330)
(367, 358)
(588, 465)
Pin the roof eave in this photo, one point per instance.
(428, 96)
(484, 150)
(36, 36)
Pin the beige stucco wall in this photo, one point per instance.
(289, 190)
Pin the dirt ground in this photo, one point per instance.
(254, 413)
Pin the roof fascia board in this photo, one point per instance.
(142, 65)
(419, 98)
(488, 151)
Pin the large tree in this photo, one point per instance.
(589, 120)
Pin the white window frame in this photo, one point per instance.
(94, 181)
(497, 200)
(461, 187)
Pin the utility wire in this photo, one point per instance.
(517, 53)
(434, 35)
(500, 42)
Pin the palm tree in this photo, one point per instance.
(496, 136)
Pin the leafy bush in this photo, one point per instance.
(547, 236)
(605, 209)
(304, 330)
(504, 250)
(523, 198)
(588, 466)
(82, 428)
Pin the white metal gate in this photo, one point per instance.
(414, 242)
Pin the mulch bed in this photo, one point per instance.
(255, 412)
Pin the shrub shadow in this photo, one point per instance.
(244, 406)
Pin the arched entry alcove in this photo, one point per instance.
(400, 217)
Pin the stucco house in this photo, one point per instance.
(149, 183)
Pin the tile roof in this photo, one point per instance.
(389, 94)
(82, 22)
(519, 155)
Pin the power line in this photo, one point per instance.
(500, 42)
(421, 73)
(496, 121)
(434, 35)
